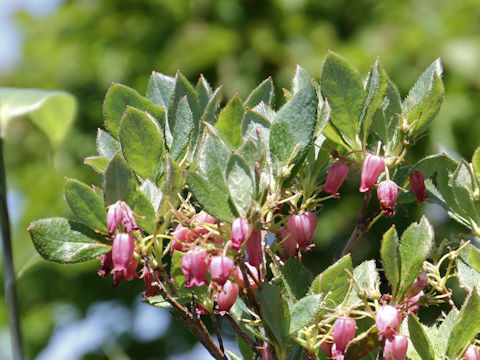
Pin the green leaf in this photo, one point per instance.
(362, 345)
(240, 183)
(300, 80)
(296, 279)
(52, 112)
(414, 250)
(342, 85)
(467, 325)
(257, 128)
(204, 91)
(142, 142)
(467, 275)
(389, 253)
(213, 200)
(264, 92)
(183, 128)
(160, 302)
(275, 312)
(334, 282)
(107, 145)
(376, 88)
(117, 99)
(177, 275)
(230, 121)
(210, 111)
(305, 312)
(443, 334)
(173, 183)
(462, 182)
(152, 192)
(233, 355)
(367, 278)
(475, 258)
(160, 89)
(86, 205)
(98, 163)
(292, 130)
(144, 208)
(119, 182)
(476, 161)
(66, 242)
(420, 339)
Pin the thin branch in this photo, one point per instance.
(9, 269)
(238, 330)
(217, 331)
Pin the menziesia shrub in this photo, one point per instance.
(215, 209)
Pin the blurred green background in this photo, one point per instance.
(82, 46)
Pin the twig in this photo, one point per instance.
(238, 330)
(307, 355)
(9, 269)
(217, 331)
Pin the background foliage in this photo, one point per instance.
(85, 45)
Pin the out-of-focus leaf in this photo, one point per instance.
(305, 312)
(476, 161)
(240, 183)
(86, 205)
(263, 92)
(420, 339)
(230, 121)
(66, 242)
(391, 258)
(275, 312)
(475, 258)
(51, 111)
(119, 181)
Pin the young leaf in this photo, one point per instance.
(390, 258)
(420, 339)
(467, 325)
(230, 121)
(263, 92)
(183, 128)
(342, 85)
(66, 242)
(240, 183)
(107, 146)
(160, 89)
(275, 312)
(86, 205)
(142, 142)
(294, 126)
(119, 181)
(117, 99)
(414, 249)
(301, 79)
(144, 208)
(305, 312)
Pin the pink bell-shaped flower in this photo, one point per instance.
(202, 218)
(387, 193)
(106, 264)
(418, 285)
(417, 184)
(240, 231)
(387, 321)
(301, 228)
(343, 332)
(122, 254)
(254, 248)
(373, 166)
(472, 353)
(227, 296)
(120, 212)
(221, 267)
(336, 175)
(289, 241)
(252, 281)
(195, 267)
(396, 347)
(184, 235)
(265, 351)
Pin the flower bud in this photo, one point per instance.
(227, 296)
(417, 184)
(148, 279)
(122, 253)
(114, 216)
(472, 353)
(387, 193)
(202, 218)
(252, 281)
(106, 264)
(373, 166)
(265, 351)
(195, 267)
(418, 285)
(240, 231)
(301, 228)
(396, 347)
(184, 235)
(343, 332)
(290, 242)
(411, 304)
(254, 248)
(336, 175)
(327, 348)
(220, 269)
(387, 321)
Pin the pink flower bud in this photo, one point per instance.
(387, 193)
(114, 216)
(418, 285)
(417, 184)
(106, 264)
(396, 347)
(239, 276)
(336, 175)
(240, 231)
(290, 242)
(411, 304)
(343, 332)
(387, 321)
(265, 351)
(221, 268)
(195, 267)
(373, 166)
(472, 353)
(227, 297)
(254, 248)
(301, 228)
(184, 235)
(202, 218)
(148, 279)
(122, 254)
(327, 348)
